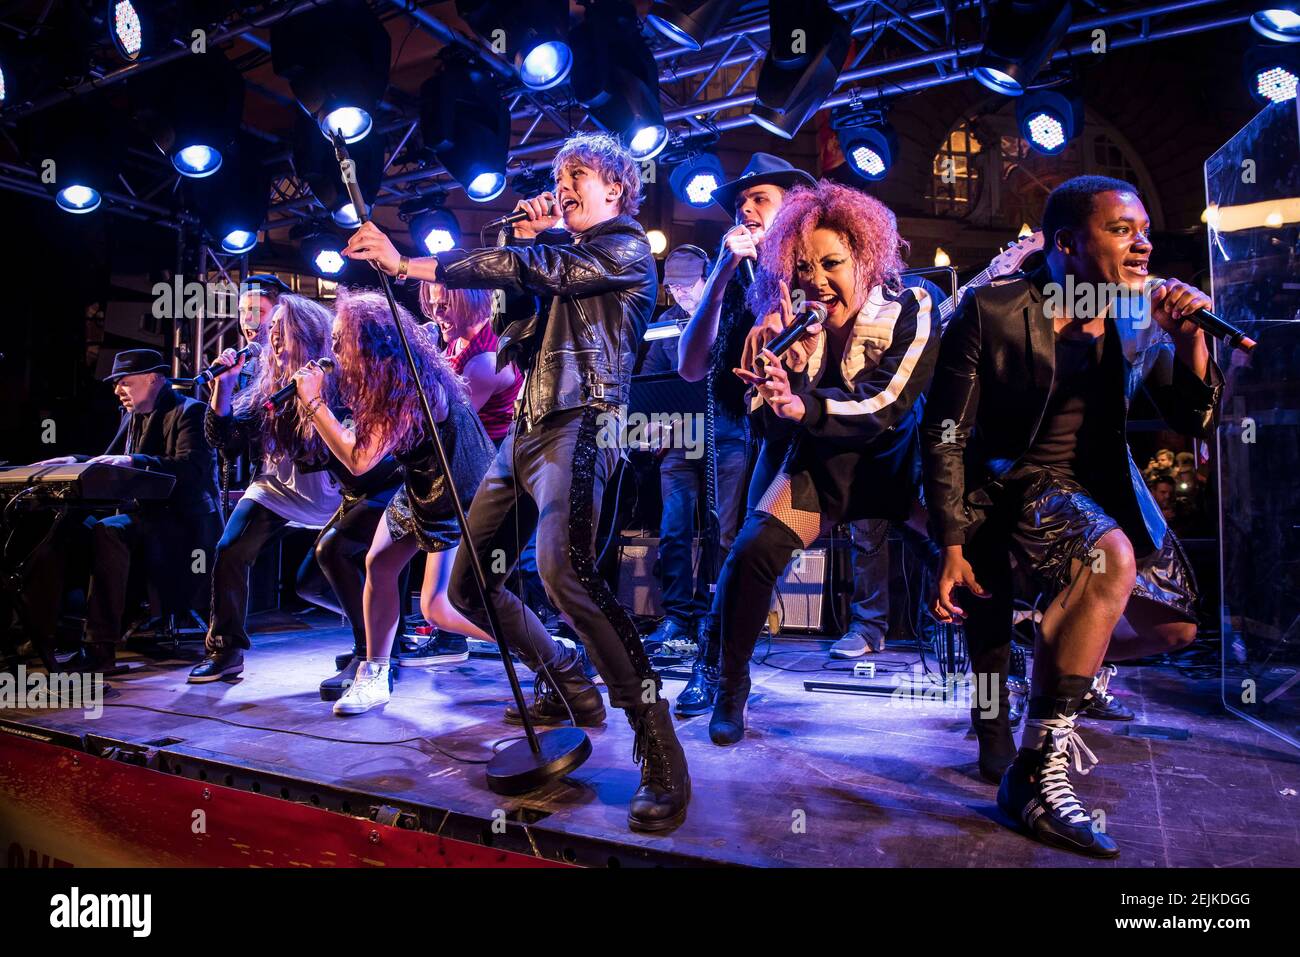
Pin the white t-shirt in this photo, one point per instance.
(306, 499)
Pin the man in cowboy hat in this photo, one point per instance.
(160, 432)
(753, 199)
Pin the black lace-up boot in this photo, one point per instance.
(1036, 791)
(571, 685)
(660, 802)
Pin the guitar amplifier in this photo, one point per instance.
(800, 597)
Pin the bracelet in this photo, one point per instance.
(403, 267)
(313, 406)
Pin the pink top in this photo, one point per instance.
(498, 412)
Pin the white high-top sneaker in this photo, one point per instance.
(369, 690)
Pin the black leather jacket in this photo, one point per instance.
(597, 293)
(991, 388)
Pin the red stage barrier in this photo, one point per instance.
(62, 808)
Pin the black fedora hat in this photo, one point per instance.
(136, 362)
(762, 168)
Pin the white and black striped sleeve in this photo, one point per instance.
(881, 396)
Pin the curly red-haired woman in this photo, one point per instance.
(376, 385)
(847, 387)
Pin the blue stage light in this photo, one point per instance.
(346, 216)
(1276, 84)
(648, 141)
(1049, 119)
(485, 187)
(197, 161)
(78, 198)
(998, 82)
(352, 121)
(1271, 70)
(695, 178)
(329, 262)
(870, 150)
(546, 65)
(239, 241)
(1278, 23)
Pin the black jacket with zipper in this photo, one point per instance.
(596, 295)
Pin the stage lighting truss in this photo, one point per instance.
(1271, 72)
(336, 60)
(688, 23)
(810, 42)
(466, 123)
(616, 79)
(1278, 21)
(533, 34)
(1019, 40)
(695, 178)
(1050, 119)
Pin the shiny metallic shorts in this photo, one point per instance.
(1059, 523)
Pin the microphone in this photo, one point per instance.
(809, 313)
(250, 351)
(281, 396)
(748, 265)
(518, 216)
(1233, 337)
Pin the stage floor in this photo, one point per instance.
(820, 779)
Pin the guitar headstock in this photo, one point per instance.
(1011, 258)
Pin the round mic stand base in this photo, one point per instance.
(519, 769)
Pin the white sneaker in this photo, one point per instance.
(369, 690)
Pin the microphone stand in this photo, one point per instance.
(536, 761)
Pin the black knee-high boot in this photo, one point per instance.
(990, 714)
(757, 558)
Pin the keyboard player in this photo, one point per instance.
(162, 432)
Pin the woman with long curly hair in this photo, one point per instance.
(847, 387)
(299, 483)
(377, 386)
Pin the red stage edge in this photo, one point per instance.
(61, 807)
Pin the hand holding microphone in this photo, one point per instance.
(531, 216)
(307, 384)
(1180, 308)
(228, 361)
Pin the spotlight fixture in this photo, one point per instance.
(1271, 72)
(465, 122)
(868, 142)
(192, 110)
(535, 33)
(314, 161)
(1019, 40)
(689, 23)
(1049, 119)
(323, 250)
(84, 150)
(809, 44)
(658, 241)
(335, 58)
(616, 79)
(126, 30)
(232, 203)
(694, 179)
(435, 230)
(1277, 21)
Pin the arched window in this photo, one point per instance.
(986, 173)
